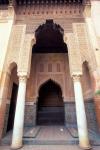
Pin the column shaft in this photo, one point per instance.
(19, 115)
(81, 116)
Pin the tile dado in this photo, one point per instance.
(70, 115)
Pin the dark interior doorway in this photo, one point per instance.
(12, 107)
(50, 110)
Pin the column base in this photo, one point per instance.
(85, 147)
(16, 147)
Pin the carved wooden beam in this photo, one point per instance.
(31, 2)
(28, 2)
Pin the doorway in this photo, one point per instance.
(50, 109)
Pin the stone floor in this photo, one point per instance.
(46, 135)
(49, 147)
(53, 132)
(51, 137)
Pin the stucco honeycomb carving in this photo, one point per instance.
(15, 45)
(85, 48)
(74, 54)
(25, 53)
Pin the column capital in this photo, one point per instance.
(22, 78)
(76, 78)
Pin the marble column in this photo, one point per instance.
(19, 114)
(80, 114)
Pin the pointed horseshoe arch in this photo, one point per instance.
(43, 82)
(50, 110)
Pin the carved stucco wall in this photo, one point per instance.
(55, 67)
(49, 66)
(86, 51)
(15, 46)
(74, 55)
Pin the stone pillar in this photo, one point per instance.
(19, 114)
(80, 114)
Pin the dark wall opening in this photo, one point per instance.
(12, 107)
(50, 110)
(50, 95)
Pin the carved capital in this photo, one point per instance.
(76, 78)
(22, 79)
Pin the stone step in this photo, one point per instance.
(50, 123)
(50, 118)
(50, 112)
(50, 115)
(51, 109)
(31, 141)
